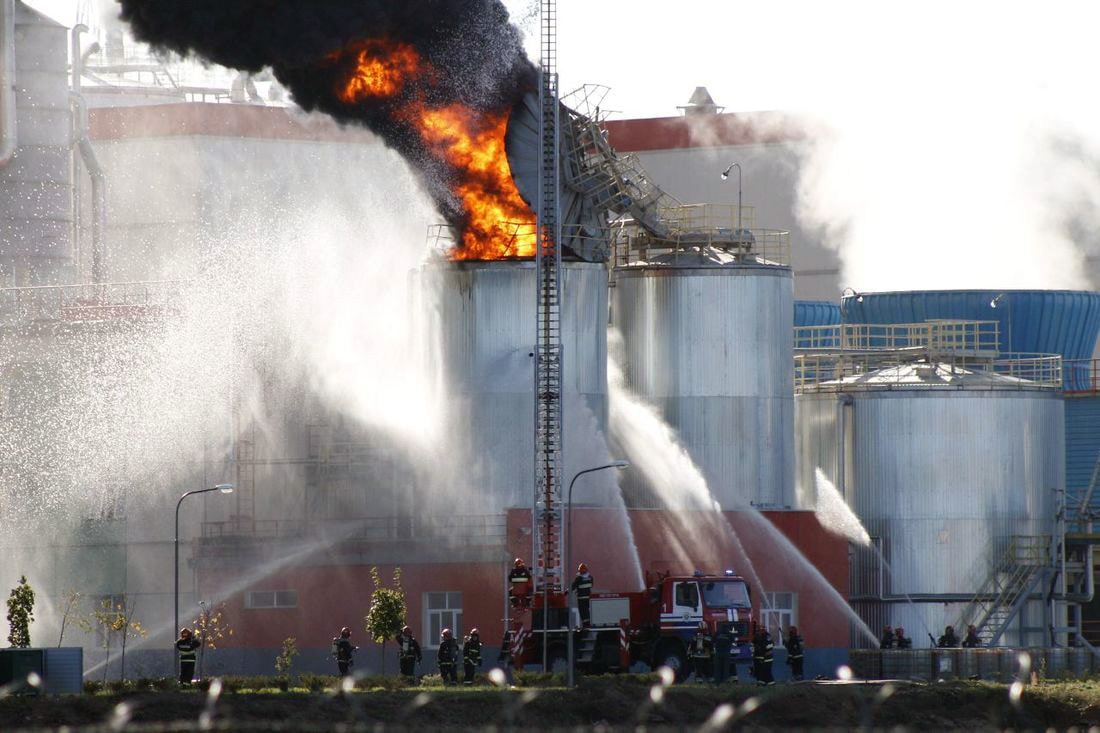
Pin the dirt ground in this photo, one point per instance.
(603, 703)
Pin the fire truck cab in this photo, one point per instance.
(653, 627)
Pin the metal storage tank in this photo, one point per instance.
(1062, 322)
(36, 185)
(707, 340)
(944, 466)
(484, 320)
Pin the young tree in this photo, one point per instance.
(211, 627)
(72, 601)
(285, 660)
(114, 616)
(20, 613)
(386, 615)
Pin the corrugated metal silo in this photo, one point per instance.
(948, 468)
(707, 339)
(36, 186)
(484, 317)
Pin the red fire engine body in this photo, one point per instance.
(653, 626)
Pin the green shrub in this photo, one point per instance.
(93, 687)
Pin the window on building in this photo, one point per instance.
(442, 610)
(272, 599)
(782, 611)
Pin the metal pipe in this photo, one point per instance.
(565, 562)
(225, 489)
(99, 184)
(8, 130)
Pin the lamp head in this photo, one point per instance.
(225, 488)
(726, 172)
(621, 464)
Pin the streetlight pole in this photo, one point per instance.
(565, 563)
(223, 488)
(725, 175)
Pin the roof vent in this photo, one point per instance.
(700, 103)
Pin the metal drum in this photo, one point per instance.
(709, 344)
(483, 316)
(945, 479)
(36, 186)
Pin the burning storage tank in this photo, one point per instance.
(950, 454)
(705, 308)
(483, 320)
(35, 130)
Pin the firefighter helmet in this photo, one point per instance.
(473, 631)
(794, 629)
(185, 632)
(702, 625)
(518, 563)
(582, 568)
(446, 634)
(345, 632)
(406, 631)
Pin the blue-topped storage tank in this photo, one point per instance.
(1062, 322)
(816, 313)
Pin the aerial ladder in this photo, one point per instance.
(547, 507)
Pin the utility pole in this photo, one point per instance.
(546, 514)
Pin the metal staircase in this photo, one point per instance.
(586, 646)
(547, 506)
(1015, 576)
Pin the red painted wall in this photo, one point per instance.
(331, 596)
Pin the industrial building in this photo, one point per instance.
(960, 427)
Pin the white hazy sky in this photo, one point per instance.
(960, 131)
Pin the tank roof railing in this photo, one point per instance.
(486, 528)
(928, 339)
(698, 229)
(910, 368)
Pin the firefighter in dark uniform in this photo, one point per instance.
(794, 652)
(972, 640)
(948, 640)
(410, 652)
(447, 657)
(763, 656)
(723, 645)
(471, 656)
(519, 585)
(342, 650)
(186, 645)
(901, 641)
(702, 652)
(582, 586)
(887, 640)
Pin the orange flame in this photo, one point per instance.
(499, 222)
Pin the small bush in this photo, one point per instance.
(93, 687)
(317, 682)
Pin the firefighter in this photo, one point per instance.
(794, 652)
(972, 640)
(763, 656)
(887, 640)
(901, 641)
(582, 586)
(471, 656)
(409, 649)
(519, 585)
(342, 650)
(723, 645)
(447, 657)
(702, 652)
(186, 645)
(948, 640)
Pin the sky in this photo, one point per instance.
(946, 129)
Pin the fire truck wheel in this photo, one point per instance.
(671, 655)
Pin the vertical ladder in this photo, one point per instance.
(547, 506)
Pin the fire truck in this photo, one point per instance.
(653, 626)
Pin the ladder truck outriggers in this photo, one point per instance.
(653, 627)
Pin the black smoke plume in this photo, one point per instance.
(478, 53)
